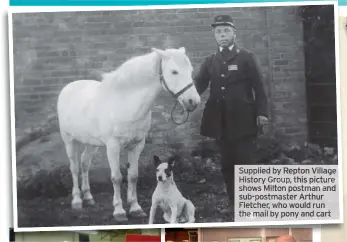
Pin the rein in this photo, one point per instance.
(175, 96)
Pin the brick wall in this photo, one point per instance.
(53, 49)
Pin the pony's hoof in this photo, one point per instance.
(77, 206)
(120, 217)
(90, 202)
(138, 214)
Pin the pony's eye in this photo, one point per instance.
(174, 72)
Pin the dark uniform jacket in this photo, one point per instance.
(231, 109)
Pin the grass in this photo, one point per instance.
(44, 198)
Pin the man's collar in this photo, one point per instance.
(230, 48)
(230, 55)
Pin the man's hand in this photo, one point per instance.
(262, 123)
(262, 120)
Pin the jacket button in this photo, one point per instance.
(222, 88)
(222, 75)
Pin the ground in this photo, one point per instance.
(44, 181)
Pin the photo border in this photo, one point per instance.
(26, 9)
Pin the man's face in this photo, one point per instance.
(224, 35)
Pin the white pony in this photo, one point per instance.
(116, 113)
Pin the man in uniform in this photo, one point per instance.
(237, 104)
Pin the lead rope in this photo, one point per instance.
(173, 109)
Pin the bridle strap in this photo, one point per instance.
(183, 90)
(162, 80)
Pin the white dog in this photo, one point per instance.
(176, 208)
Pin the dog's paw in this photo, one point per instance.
(166, 217)
(182, 220)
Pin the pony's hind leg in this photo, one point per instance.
(134, 152)
(71, 147)
(86, 158)
(113, 153)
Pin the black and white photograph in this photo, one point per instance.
(136, 117)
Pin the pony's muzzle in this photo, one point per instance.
(191, 104)
(189, 99)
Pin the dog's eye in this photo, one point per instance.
(157, 170)
(174, 72)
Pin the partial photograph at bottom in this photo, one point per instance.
(118, 235)
(268, 234)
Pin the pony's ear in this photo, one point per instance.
(156, 160)
(182, 49)
(159, 51)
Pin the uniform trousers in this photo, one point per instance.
(233, 152)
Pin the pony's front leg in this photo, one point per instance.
(86, 158)
(113, 153)
(134, 153)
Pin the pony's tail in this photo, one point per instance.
(37, 131)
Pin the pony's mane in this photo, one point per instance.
(128, 68)
(111, 75)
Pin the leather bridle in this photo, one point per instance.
(175, 95)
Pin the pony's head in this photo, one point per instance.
(176, 77)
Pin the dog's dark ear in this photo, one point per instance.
(172, 160)
(157, 160)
